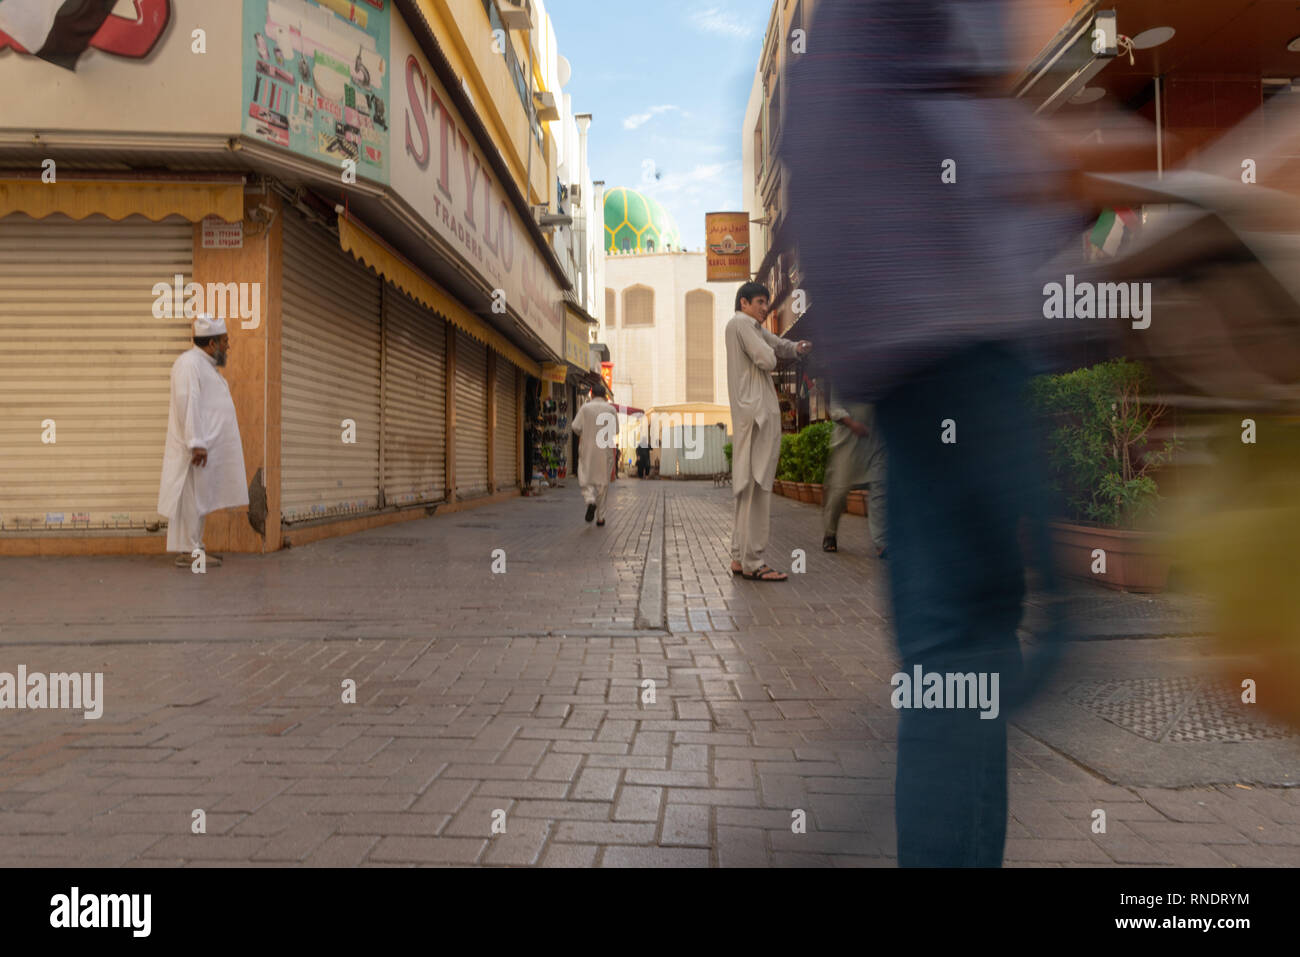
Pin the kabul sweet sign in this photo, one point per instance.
(443, 173)
(727, 237)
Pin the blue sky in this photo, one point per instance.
(666, 82)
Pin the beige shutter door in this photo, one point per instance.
(79, 345)
(471, 417)
(331, 310)
(415, 401)
(505, 460)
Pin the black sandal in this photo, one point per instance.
(762, 575)
(829, 544)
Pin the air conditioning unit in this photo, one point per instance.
(575, 194)
(516, 14)
(549, 220)
(544, 101)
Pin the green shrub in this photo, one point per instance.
(786, 464)
(814, 445)
(1098, 451)
(726, 450)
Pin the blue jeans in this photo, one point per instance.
(957, 582)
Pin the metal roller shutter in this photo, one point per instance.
(79, 344)
(331, 323)
(505, 462)
(471, 417)
(415, 401)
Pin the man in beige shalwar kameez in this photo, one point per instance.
(752, 352)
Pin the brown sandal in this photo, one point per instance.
(765, 574)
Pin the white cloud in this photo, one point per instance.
(640, 119)
(701, 175)
(715, 20)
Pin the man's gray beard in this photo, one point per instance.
(221, 358)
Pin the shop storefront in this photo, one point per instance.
(367, 383)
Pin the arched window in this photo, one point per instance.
(611, 308)
(699, 346)
(627, 245)
(638, 306)
(649, 245)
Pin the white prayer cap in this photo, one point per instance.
(209, 325)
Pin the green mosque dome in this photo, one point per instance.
(636, 223)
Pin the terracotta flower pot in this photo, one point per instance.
(778, 487)
(816, 493)
(857, 503)
(805, 492)
(1134, 561)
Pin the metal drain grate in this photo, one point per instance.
(1176, 709)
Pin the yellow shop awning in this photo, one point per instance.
(555, 372)
(376, 254)
(118, 199)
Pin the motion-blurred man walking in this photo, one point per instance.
(914, 201)
(857, 459)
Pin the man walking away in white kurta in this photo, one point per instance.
(596, 426)
(756, 423)
(203, 463)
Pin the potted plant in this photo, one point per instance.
(785, 467)
(799, 464)
(816, 445)
(1102, 466)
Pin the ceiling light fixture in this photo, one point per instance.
(1153, 38)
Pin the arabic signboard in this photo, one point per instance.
(726, 236)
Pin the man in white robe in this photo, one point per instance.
(752, 352)
(203, 463)
(596, 426)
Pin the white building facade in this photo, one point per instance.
(663, 323)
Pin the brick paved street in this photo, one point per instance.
(522, 693)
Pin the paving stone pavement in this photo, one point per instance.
(506, 719)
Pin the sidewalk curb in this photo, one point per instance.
(650, 606)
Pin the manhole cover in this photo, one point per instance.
(1176, 709)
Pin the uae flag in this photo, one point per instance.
(59, 31)
(1110, 229)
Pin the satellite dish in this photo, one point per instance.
(564, 69)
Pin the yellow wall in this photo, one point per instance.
(463, 30)
(253, 375)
